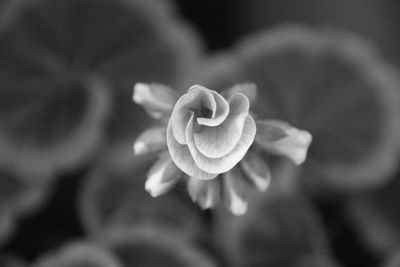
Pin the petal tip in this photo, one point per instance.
(140, 90)
(140, 148)
(282, 139)
(204, 193)
(162, 176)
(263, 184)
(299, 153)
(238, 207)
(257, 171)
(157, 99)
(196, 86)
(207, 203)
(154, 186)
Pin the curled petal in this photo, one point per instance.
(227, 162)
(204, 193)
(256, 170)
(151, 140)
(193, 99)
(235, 192)
(215, 142)
(207, 99)
(196, 99)
(157, 99)
(248, 89)
(282, 139)
(219, 113)
(162, 176)
(181, 156)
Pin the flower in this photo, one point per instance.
(208, 135)
(205, 135)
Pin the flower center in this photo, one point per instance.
(205, 113)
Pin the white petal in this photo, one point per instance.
(140, 148)
(235, 192)
(194, 100)
(180, 116)
(205, 193)
(215, 142)
(282, 139)
(256, 170)
(151, 140)
(206, 97)
(248, 89)
(180, 154)
(219, 114)
(157, 99)
(162, 176)
(227, 162)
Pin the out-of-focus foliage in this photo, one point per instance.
(10, 261)
(393, 260)
(376, 216)
(334, 85)
(66, 74)
(79, 255)
(114, 196)
(17, 198)
(369, 18)
(316, 261)
(154, 246)
(141, 247)
(281, 228)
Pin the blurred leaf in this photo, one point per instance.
(376, 217)
(78, 255)
(373, 18)
(114, 196)
(331, 84)
(154, 246)
(10, 261)
(316, 261)
(64, 63)
(17, 198)
(393, 260)
(55, 132)
(280, 229)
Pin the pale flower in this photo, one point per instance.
(206, 138)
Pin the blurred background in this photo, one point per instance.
(72, 192)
